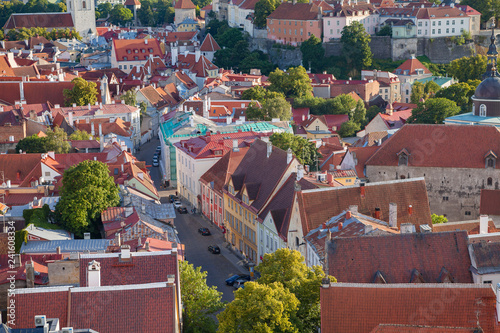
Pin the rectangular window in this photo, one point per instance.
(419, 24)
(461, 21)
(420, 32)
(439, 23)
(328, 22)
(310, 24)
(433, 23)
(453, 30)
(433, 31)
(338, 22)
(447, 30)
(331, 31)
(439, 31)
(447, 22)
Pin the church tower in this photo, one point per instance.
(83, 14)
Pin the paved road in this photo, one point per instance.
(219, 267)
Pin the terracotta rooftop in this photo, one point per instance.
(405, 258)
(453, 146)
(220, 172)
(318, 206)
(297, 11)
(349, 307)
(410, 66)
(39, 20)
(209, 44)
(184, 4)
(140, 48)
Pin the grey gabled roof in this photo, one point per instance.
(74, 245)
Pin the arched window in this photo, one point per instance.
(84, 5)
(473, 108)
(490, 181)
(482, 110)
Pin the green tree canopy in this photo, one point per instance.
(341, 104)
(276, 107)
(129, 97)
(417, 92)
(386, 30)
(359, 114)
(264, 8)
(293, 83)
(305, 150)
(32, 144)
(356, 46)
(287, 267)
(259, 93)
(460, 93)
(468, 68)
(437, 219)
(487, 8)
(260, 308)
(312, 54)
(372, 112)
(120, 15)
(103, 10)
(349, 129)
(433, 111)
(80, 135)
(87, 190)
(57, 141)
(83, 93)
(198, 299)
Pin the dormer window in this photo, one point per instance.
(230, 188)
(482, 110)
(403, 158)
(490, 160)
(125, 59)
(129, 51)
(245, 199)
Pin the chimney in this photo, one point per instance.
(30, 274)
(101, 143)
(269, 149)
(353, 209)
(125, 252)
(58, 250)
(410, 210)
(483, 224)
(376, 214)
(70, 118)
(143, 208)
(100, 129)
(341, 225)
(17, 260)
(118, 239)
(86, 235)
(139, 242)
(197, 55)
(289, 156)
(235, 145)
(92, 130)
(146, 246)
(94, 274)
(362, 190)
(300, 172)
(393, 215)
(348, 215)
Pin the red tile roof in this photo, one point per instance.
(411, 65)
(184, 4)
(396, 257)
(132, 3)
(468, 10)
(176, 36)
(348, 307)
(439, 12)
(396, 328)
(444, 146)
(318, 206)
(362, 155)
(472, 227)
(200, 67)
(141, 48)
(490, 202)
(17, 166)
(39, 20)
(34, 92)
(41, 272)
(209, 44)
(297, 11)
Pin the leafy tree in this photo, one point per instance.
(32, 144)
(293, 83)
(359, 115)
(146, 16)
(437, 219)
(356, 46)
(129, 97)
(417, 92)
(468, 68)
(57, 141)
(256, 59)
(460, 93)
(260, 308)
(2, 37)
(372, 112)
(287, 267)
(305, 150)
(349, 129)
(229, 37)
(87, 190)
(258, 93)
(487, 8)
(103, 9)
(264, 8)
(433, 111)
(276, 107)
(341, 104)
(312, 53)
(431, 88)
(386, 30)
(199, 300)
(120, 15)
(83, 92)
(80, 135)
(344, 104)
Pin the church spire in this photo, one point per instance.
(491, 67)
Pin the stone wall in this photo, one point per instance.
(282, 57)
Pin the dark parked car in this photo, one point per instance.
(204, 231)
(158, 150)
(230, 281)
(173, 198)
(182, 210)
(214, 249)
(240, 283)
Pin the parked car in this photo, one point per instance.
(173, 198)
(214, 249)
(204, 231)
(158, 150)
(177, 203)
(240, 283)
(230, 281)
(182, 210)
(155, 163)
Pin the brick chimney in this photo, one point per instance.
(30, 274)
(269, 148)
(393, 215)
(410, 210)
(94, 274)
(376, 214)
(125, 252)
(348, 215)
(362, 190)
(289, 156)
(483, 224)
